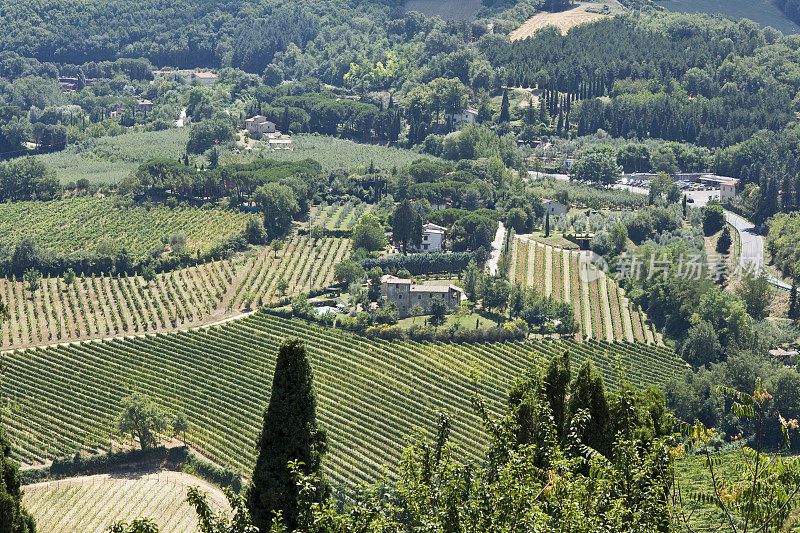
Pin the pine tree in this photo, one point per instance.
(13, 516)
(505, 106)
(290, 433)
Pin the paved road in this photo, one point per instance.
(497, 246)
(752, 254)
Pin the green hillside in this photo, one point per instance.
(372, 394)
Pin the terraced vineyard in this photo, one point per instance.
(92, 503)
(83, 224)
(601, 307)
(371, 394)
(102, 306)
(339, 216)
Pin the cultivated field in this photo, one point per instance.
(338, 216)
(563, 20)
(92, 503)
(109, 159)
(89, 224)
(765, 12)
(334, 153)
(107, 305)
(371, 394)
(600, 306)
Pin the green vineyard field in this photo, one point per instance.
(86, 224)
(103, 306)
(371, 393)
(601, 308)
(338, 216)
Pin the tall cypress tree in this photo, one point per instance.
(13, 516)
(587, 392)
(290, 433)
(556, 388)
(794, 311)
(505, 108)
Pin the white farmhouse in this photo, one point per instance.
(469, 115)
(433, 237)
(553, 208)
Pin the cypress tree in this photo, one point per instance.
(547, 225)
(505, 114)
(556, 385)
(587, 392)
(13, 516)
(290, 433)
(794, 312)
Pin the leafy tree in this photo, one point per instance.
(282, 286)
(724, 242)
(204, 135)
(33, 278)
(496, 294)
(406, 225)
(619, 238)
(275, 246)
(180, 426)
(148, 274)
(278, 204)
(517, 219)
(702, 345)
(472, 280)
(290, 433)
(713, 218)
(597, 167)
(368, 233)
(69, 277)
(756, 292)
(348, 272)
(142, 418)
(254, 231)
(438, 309)
(728, 316)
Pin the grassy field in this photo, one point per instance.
(92, 503)
(762, 11)
(447, 9)
(109, 159)
(334, 153)
(563, 20)
(90, 224)
(600, 307)
(103, 306)
(371, 394)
